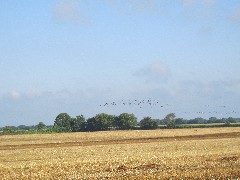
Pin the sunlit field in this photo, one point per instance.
(154, 154)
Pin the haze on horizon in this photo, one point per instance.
(74, 55)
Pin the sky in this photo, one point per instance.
(75, 56)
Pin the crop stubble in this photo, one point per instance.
(158, 154)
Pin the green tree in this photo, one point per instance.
(23, 127)
(231, 120)
(169, 120)
(100, 122)
(91, 124)
(125, 121)
(78, 123)
(62, 123)
(8, 130)
(180, 121)
(148, 123)
(198, 120)
(212, 120)
(41, 126)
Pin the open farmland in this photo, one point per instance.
(156, 154)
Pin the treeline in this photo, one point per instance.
(125, 121)
(40, 128)
(101, 122)
(200, 120)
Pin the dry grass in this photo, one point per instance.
(106, 135)
(186, 158)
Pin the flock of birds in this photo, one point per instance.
(213, 112)
(156, 103)
(135, 102)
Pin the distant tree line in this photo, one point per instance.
(126, 121)
(103, 122)
(200, 120)
(40, 128)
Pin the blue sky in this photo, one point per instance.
(74, 55)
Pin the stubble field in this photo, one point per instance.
(212, 153)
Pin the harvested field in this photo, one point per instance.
(157, 154)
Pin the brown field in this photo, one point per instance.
(212, 153)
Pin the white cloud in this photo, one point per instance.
(187, 2)
(70, 11)
(33, 93)
(156, 69)
(130, 7)
(15, 95)
(235, 16)
(199, 8)
(154, 72)
(206, 3)
(141, 5)
(214, 88)
(25, 95)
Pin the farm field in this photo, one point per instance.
(152, 154)
(212, 125)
